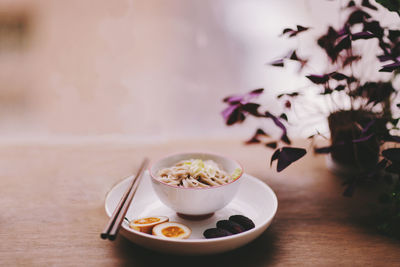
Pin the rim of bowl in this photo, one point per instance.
(153, 177)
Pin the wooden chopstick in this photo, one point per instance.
(114, 224)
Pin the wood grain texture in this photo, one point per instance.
(52, 210)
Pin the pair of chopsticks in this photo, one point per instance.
(114, 224)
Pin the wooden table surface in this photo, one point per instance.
(52, 210)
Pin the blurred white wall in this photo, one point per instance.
(147, 69)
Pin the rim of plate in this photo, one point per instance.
(153, 177)
(198, 240)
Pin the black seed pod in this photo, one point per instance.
(216, 232)
(230, 226)
(245, 222)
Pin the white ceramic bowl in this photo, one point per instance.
(195, 201)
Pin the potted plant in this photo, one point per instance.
(361, 131)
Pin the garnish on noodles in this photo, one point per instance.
(196, 173)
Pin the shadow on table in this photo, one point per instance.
(260, 252)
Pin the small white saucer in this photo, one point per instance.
(254, 199)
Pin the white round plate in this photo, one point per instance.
(254, 199)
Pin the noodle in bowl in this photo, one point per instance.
(196, 183)
(196, 173)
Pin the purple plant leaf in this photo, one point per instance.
(276, 121)
(344, 30)
(390, 67)
(294, 94)
(392, 154)
(286, 30)
(236, 117)
(339, 88)
(332, 33)
(275, 156)
(292, 32)
(374, 27)
(251, 108)
(303, 62)
(226, 113)
(358, 16)
(367, 4)
(327, 91)
(352, 79)
(294, 56)
(367, 126)
(318, 79)
(394, 35)
(327, 42)
(261, 132)
(277, 63)
(351, 3)
(256, 92)
(363, 139)
(323, 150)
(234, 99)
(232, 115)
(283, 116)
(384, 58)
(244, 98)
(288, 155)
(338, 76)
(251, 95)
(386, 48)
(272, 145)
(252, 140)
(343, 44)
(285, 139)
(362, 35)
(301, 28)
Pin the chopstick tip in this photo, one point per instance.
(103, 235)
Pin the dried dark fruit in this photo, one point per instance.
(245, 222)
(230, 226)
(216, 232)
